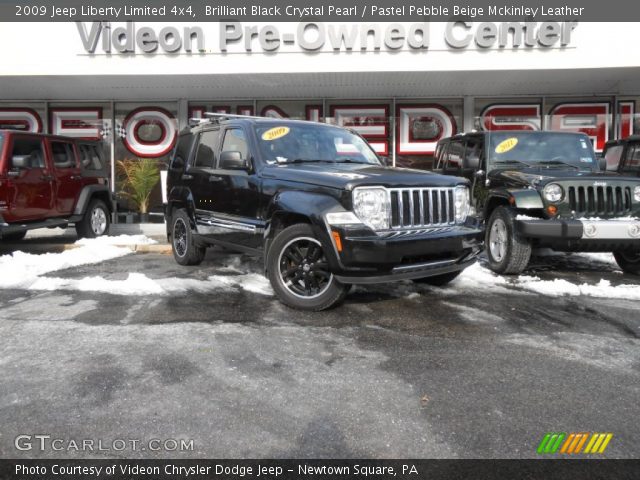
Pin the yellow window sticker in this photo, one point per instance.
(506, 145)
(275, 133)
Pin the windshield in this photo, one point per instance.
(541, 149)
(292, 143)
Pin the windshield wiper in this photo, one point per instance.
(559, 163)
(348, 160)
(506, 162)
(303, 160)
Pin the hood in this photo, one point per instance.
(347, 176)
(533, 177)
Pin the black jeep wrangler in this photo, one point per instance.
(318, 204)
(545, 189)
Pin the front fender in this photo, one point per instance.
(313, 206)
(525, 199)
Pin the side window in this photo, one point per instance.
(235, 141)
(612, 157)
(472, 153)
(632, 161)
(62, 155)
(455, 153)
(29, 151)
(206, 154)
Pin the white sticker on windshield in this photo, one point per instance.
(584, 144)
(585, 159)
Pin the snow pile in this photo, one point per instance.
(21, 270)
(477, 277)
(139, 284)
(121, 240)
(558, 288)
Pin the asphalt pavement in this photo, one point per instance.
(397, 371)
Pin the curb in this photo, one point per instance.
(162, 249)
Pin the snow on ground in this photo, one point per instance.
(27, 271)
(479, 277)
(21, 270)
(120, 240)
(139, 284)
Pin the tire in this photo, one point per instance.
(508, 252)
(14, 237)
(439, 280)
(96, 220)
(628, 261)
(299, 273)
(183, 246)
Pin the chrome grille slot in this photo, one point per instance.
(594, 201)
(422, 207)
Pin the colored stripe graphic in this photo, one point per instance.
(598, 443)
(551, 442)
(573, 443)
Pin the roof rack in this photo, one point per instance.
(217, 117)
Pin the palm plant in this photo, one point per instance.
(140, 176)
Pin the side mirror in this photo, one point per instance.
(480, 173)
(20, 161)
(233, 160)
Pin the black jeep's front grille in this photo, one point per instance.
(606, 201)
(422, 207)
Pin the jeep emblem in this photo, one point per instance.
(599, 184)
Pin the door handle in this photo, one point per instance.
(215, 178)
(46, 178)
(186, 176)
(75, 177)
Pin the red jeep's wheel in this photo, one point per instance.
(95, 222)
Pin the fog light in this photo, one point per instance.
(552, 210)
(590, 230)
(634, 230)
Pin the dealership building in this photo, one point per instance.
(403, 86)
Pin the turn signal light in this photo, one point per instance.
(552, 210)
(337, 240)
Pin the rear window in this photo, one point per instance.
(90, 157)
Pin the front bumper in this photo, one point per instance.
(610, 233)
(367, 258)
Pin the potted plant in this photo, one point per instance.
(139, 178)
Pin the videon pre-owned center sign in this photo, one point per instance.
(314, 36)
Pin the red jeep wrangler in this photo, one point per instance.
(52, 181)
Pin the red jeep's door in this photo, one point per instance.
(29, 181)
(66, 172)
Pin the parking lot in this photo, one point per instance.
(133, 346)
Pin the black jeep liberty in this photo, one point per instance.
(545, 189)
(318, 204)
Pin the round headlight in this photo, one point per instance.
(553, 192)
(371, 206)
(636, 193)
